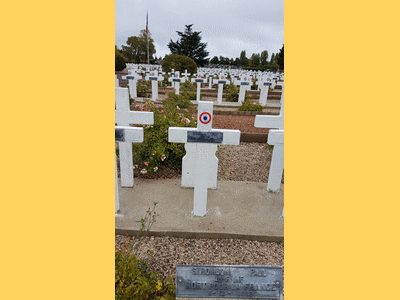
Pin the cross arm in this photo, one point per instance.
(128, 134)
(135, 117)
(180, 135)
(268, 121)
(276, 137)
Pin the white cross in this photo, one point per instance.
(154, 78)
(124, 134)
(132, 78)
(186, 74)
(200, 166)
(211, 78)
(243, 85)
(199, 81)
(221, 81)
(123, 117)
(276, 138)
(264, 86)
(176, 80)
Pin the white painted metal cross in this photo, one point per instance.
(200, 166)
(123, 117)
(276, 138)
(175, 79)
(116, 81)
(244, 83)
(221, 81)
(154, 78)
(264, 86)
(132, 78)
(124, 134)
(186, 74)
(199, 81)
(210, 76)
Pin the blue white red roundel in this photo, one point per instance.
(205, 118)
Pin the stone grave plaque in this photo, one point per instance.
(224, 281)
(204, 137)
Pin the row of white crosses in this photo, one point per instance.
(200, 165)
(276, 138)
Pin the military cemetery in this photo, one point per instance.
(199, 164)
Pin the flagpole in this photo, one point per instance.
(147, 35)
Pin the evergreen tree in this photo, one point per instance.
(243, 61)
(189, 45)
(264, 58)
(280, 58)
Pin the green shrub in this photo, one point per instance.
(189, 91)
(156, 151)
(247, 105)
(134, 280)
(142, 88)
(178, 63)
(232, 93)
(119, 63)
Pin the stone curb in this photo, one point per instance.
(200, 235)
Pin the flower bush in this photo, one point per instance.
(232, 93)
(247, 105)
(134, 279)
(156, 151)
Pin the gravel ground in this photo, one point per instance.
(247, 162)
(164, 253)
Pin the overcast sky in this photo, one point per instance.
(227, 26)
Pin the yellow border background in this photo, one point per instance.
(341, 196)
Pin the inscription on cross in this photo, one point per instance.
(124, 117)
(200, 166)
(276, 138)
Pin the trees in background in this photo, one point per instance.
(136, 49)
(189, 44)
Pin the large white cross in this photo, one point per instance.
(124, 134)
(132, 78)
(276, 138)
(199, 81)
(244, 83)
(123, 117)
(200, 166)
(154, 78)
(221, 81)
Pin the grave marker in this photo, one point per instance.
(199, 81)
(246, 82)
(229, 281)
(154, 83)
(128, 135)
(276, 138)
(200, 166)
(186, 75)
(132, 78)
(264, 85)
(221, 81)
(124, 117)
(176, 80)
(116, 81)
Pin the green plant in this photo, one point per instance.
(178, 63)
(232, 93)
(134, 279)
(149, 218)
(156, 151)
(119, 63)
(247, 105)
(142, 89)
